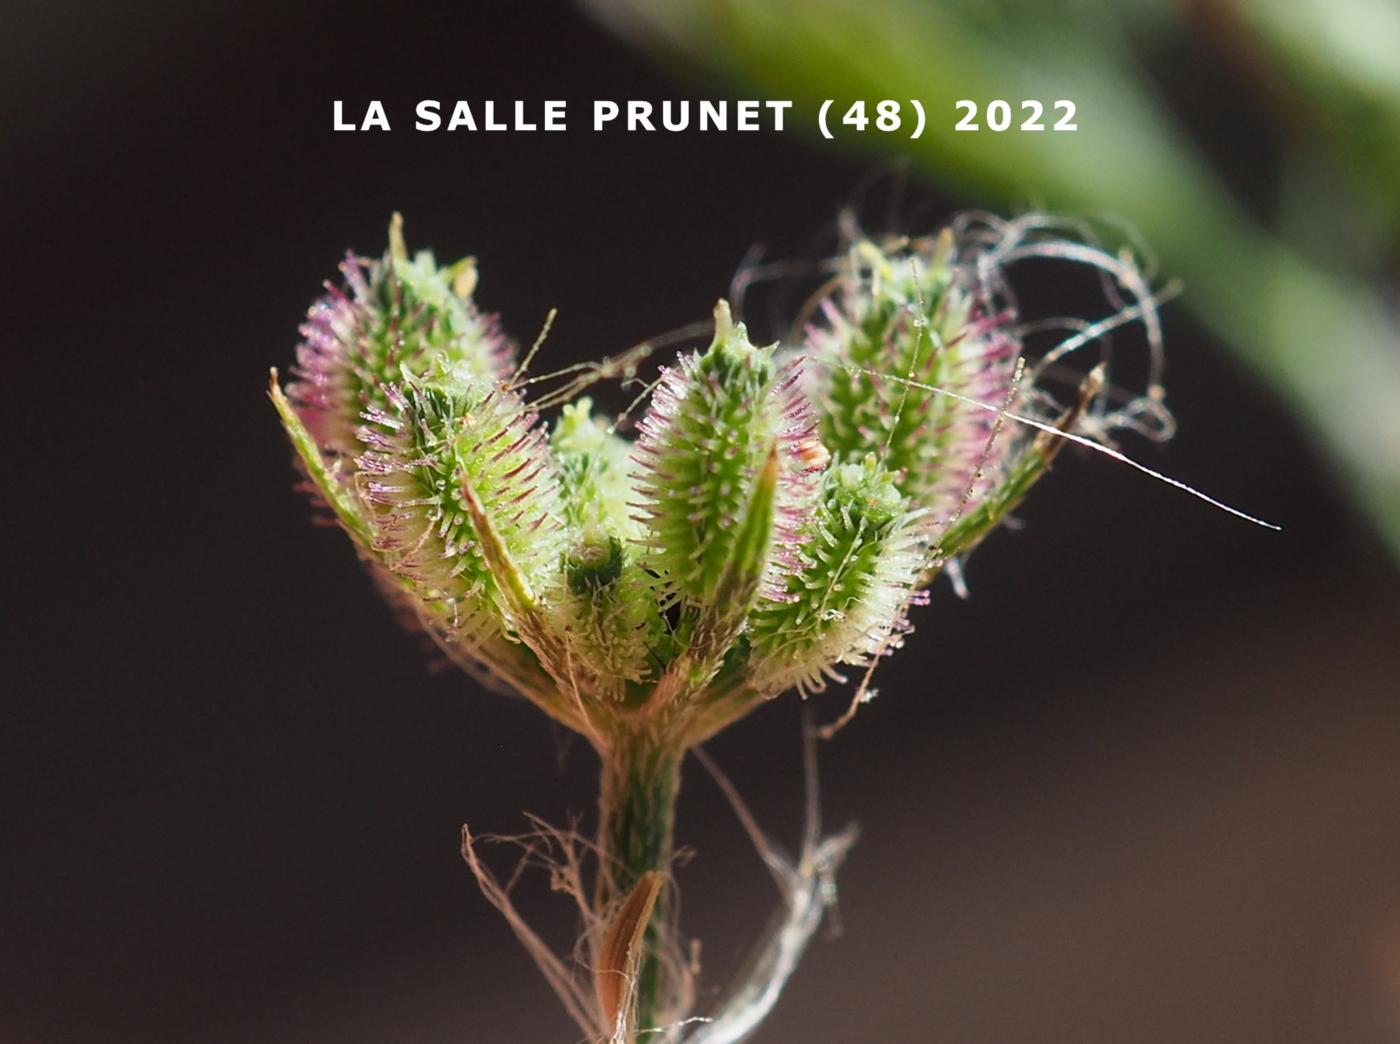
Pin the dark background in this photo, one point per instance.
(1141, 787)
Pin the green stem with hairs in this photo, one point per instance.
(637, 811)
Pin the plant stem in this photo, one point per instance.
(637, 806)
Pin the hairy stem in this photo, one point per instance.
(637, 806)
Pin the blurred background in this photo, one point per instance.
(1144, 785)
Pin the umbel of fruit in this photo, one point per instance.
(767, 529)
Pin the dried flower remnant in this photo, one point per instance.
(779, 512)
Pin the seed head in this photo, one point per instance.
(777, 514)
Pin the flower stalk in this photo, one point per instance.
(777, 514)
(636, 835)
